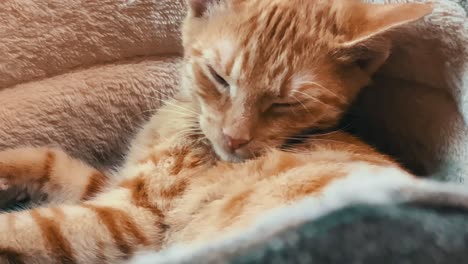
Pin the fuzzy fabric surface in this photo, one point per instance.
(45, 38)
(383, 234)
(85, 74)
(417, 108)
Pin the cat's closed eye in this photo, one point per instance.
(284, 106)
(218, 77)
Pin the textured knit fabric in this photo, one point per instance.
(83, 74)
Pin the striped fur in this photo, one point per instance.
(148, 207)
(173, 187)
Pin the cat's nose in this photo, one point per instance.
(235, 143)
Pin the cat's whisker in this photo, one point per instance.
(160, 92)
(191, 129)
(299, 101)
(292, 150)
(293, 138)
(181, 108)
(189, 132)
(312, 98)
(311, 138)
(323, 88)
(186, 114)
(162, 95)
(153, 111)
(165, 101)
(327, 134)
(326, 140)
(307, 136)
(252, 154)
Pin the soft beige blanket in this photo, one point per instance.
(84, 74)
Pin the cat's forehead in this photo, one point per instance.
(238, 64)
(269, 38)
(268, 46)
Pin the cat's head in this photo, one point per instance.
(263, 71)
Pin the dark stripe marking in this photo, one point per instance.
(54, 240)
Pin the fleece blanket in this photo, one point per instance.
(417, 108)
(371, 234)
(85, 74)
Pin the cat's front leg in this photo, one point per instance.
(108, 229)
(46, 175)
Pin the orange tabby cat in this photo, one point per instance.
(256, 73)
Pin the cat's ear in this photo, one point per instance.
(370, 44)
(198, 8)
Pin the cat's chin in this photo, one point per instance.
(232, 158)
(229, 157)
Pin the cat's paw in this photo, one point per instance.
(8, 180)
(11, 195)
(7, 184)
(4, 184)
(11, 192)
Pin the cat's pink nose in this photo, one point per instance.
(235, 143)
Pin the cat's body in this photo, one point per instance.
(169, 193)
(173, 187)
